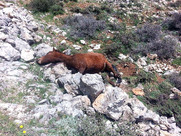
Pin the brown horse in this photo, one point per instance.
(84, 63)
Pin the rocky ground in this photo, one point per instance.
(44, 94)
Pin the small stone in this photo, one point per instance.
(82, 42)
(90, 50)
(63, 42)
(138, 91)
(97, 46)
(122, 56)
(152, 56)
(43, 101)
(77, 47)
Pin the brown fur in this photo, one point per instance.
(84, 63)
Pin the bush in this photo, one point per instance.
(42, 5)
(173, 23)
(175, 4)
(148, 33)
(56, 9)
(175, 79)
(164, 48)
(83, 26)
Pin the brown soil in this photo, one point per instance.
(159, 78)
(84, 5)
(128, 69)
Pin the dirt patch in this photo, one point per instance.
(128, 69)
(159, 78)
(84, 5)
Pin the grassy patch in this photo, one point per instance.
(159, 101)
(8, 128)
(177, 61)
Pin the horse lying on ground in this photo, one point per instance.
(84, 63)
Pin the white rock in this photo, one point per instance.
(97, 46)
(122, 56)
(90, 50)
(21, 44)
(82, 42)
(8, 10)
(8, 52)
(3, 36)
(63, 42)
(42, 49)
(77, 47)
(27, 55)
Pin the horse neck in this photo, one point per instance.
(64, 58)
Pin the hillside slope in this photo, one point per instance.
(142, 38)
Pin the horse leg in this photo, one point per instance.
(82, 70)
(110, 68)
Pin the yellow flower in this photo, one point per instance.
(21, 126)
(24, 132)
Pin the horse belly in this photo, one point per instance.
(95, 67)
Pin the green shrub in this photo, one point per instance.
(56, 9)
(42, 5)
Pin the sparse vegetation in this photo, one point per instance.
(7, 127)
(86, 126)
(84, 26)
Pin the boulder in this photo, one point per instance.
(70, 82)
(42, 49)
(111, 95)
(21, 44)
(27, 55)
(92, 85)
(8, 52)
(25, 35)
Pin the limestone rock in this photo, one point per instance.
(92, 85)
(110, 95)
(71, 83)
(3, 36)
(21, 44)
(27, 55)
(42, 49)
(8, 52)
